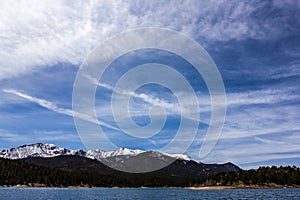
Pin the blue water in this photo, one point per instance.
(147, 193)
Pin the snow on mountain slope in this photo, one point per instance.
(38, 150)
(98, 154)
(179, 156)
(51, 150)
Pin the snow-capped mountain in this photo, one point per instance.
(38, 150)
(115, 162)
(51, 150)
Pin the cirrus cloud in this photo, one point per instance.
(35, 34)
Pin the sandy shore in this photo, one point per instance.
(239, 187)
(211, 188)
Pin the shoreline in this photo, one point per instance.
(219, 187)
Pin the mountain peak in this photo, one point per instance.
(37, 150)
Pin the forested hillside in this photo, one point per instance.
(20, 172)
(263, 175)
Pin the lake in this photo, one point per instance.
(146, 193)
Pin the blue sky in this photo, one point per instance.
(255, 46)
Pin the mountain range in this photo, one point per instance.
(51, 150)
(115, 162)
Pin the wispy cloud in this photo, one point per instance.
(246, 115)
(154, 101)
(25, 138)
(53, 107)
(286, 71)
(171, 107)
(254, 120)
(256, 149)
(6, 136)
(44, 34)
(262, 96)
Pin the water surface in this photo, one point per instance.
(146, 193)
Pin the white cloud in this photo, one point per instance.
(247, 113)
(153, 101)
(286, 71)
(53, 107)
(6, 136)
(142, 108)
(261, 120)
(37, 136)
(36, 34)
(251, 115)
(258, 150)
(263, 96)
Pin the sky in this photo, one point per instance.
(254, 44)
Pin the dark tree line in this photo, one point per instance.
(263, 175)
(13, 172)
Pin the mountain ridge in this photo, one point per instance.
(114, 162)
(50, 150)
